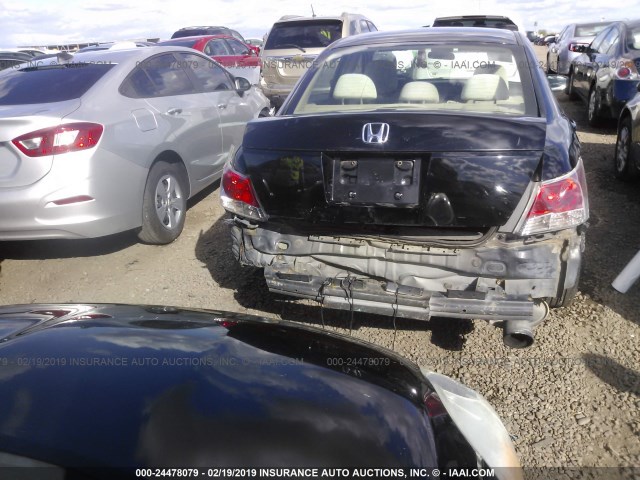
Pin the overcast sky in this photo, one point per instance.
(43, 22)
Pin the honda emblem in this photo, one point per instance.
(375, 133)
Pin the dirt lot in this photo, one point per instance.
(572, 399)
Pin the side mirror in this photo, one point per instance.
(242, 85)
(558, 83)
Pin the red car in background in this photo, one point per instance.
(228, 51)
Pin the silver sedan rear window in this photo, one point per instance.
(50, 83)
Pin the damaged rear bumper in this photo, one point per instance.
(503, 279)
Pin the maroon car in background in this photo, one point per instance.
(228, 51)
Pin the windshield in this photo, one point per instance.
(304, 34)
(472, 77)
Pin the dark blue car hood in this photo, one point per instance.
(127, 386)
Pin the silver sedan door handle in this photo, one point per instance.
(174, 111)
(222, 106)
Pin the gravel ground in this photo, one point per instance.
(571, 400)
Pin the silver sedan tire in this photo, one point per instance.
(624, 157)
(164, 205)
(569, 90)
(593, 109)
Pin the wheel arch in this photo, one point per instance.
(624, 114)
(171, 156)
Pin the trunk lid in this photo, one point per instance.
(286, 69)
(17, 169)
(441, 170)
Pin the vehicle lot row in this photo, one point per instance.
(570, 400)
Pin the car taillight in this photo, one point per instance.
(575, 47)
(627, 71)
(238, 196)
(434, 405)
(624, 72)
(70, 137)
(560, 203)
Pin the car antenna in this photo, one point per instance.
(313, 13)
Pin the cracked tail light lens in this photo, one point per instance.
(560, 203)
(238, 195)
(70, 137)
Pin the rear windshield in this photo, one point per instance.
(634, 38)
(454, 77)
(476, 22)
(178, 43)
(304, 34)
(49, 84)
(197, 31)
(590, 30)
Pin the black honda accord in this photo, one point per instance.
(111, 391)
(417, 174)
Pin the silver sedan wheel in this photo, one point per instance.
(625, 155)
(622, 149)
(593, 112)
(569, 90)
(592, 104)
(169, 202)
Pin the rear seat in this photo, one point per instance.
(354, 87)
(419, 92)
(485, 87)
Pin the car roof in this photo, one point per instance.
(582, 24)
(474, 17)
(203, 27)
(628, 23)
(121, 56)
(199, 37)
(13, 54)
(300, 18)
(436, 35)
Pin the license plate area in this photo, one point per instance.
(375, 181)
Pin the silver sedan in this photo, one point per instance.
(107, 141)
(567, 44)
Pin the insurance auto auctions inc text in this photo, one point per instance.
(374, 473)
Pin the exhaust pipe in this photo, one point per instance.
(519, 333)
